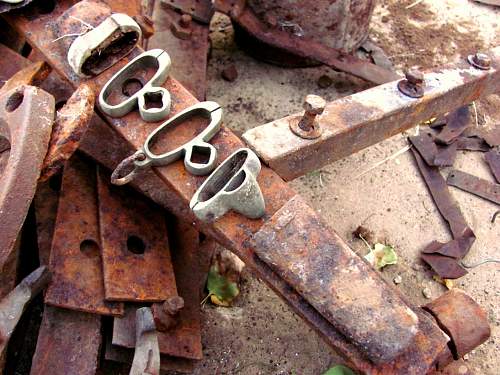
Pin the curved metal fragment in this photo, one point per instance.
(32, 75)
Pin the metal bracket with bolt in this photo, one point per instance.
(480, 60)
(153, 59)
(413, 85)
(198, 145)
(308, 126)
(182, 28)
(232, 186)
(87, 54)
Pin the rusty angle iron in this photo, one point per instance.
(234, 231)
(75, 258)
(26, 117)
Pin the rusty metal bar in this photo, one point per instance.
(360, 120)
(474, 185)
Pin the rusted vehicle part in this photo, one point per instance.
(200, 10)
(13, 304)
(69, 127)
(26, 118)
(45, 202)
(474, 185)
(352, 123)
(133, 87)
(232, 230)
(134, 246)
(191, 150)
(8, 5)
(68, 343)
(75, 260)
(32, 75)
(462, 319)
(493, 159)
(306, 47)
(232, 186)
(100, 47)
(146, 356)
(194, 48)
(456, 122)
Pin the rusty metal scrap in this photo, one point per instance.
(75, 258)
(475, 185)
(357, 121)
(433, 154)
(146, 356)
(69, 127)
(493, 159)
(45, 202)
(32, 75)
(26, 118)
(134, 246)
(68, 343)
(456, 123)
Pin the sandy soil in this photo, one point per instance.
(260, 334)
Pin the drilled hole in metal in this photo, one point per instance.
(60, 104)
(14, 101)
(200, 155)
(153, 100)
(55, 182)
(89, 247)
(131, 86)
(46, 6)
(135, 245)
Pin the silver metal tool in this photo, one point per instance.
(232, 186)
(198, 145)
(156, 59)
(147, 352)
(97, 39)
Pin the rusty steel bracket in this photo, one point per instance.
(26, 117)
(360, 120)
(415, 354)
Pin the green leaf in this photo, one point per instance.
(220, 287)
(340, 370)
(381, 255)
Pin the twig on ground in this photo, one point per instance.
(395, 155)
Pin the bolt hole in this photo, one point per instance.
(131, 86)
(46, 7)
(135, 245)
(200, 155)
(60, 104)
(153, 100)
(55, 182)
(89, 247)
(14, 101)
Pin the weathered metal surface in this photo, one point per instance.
(489, 132)
(45, 202)
(308, 48)
(200, 10)
(147, 356)
(451, 249)
(493, 159)
(471, 144)
(69, 127)
(433, 154)
(462, 319)
(445, 267)
(17, 62)
(357, 121)
(192, 75)
(26, 118)
(75, 259)
(13, 304)
(134, 246)
(232, 230)
(456, 123)
(68, 343)
(474, 185)
(32, 75)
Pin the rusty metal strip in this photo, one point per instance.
(445, 267)
(456, 123)
(232, 230)
(68, 343)
(45, 202)
(75, 258)
(134, 246)
(26, 118)
(191, 264)
(474, 185)
(472, 144)
(360, 120)
(493, 159)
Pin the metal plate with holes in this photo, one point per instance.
(135, 250)
(26, 116)
(75, 259)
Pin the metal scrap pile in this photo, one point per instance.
(88, 110)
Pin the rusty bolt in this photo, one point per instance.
(413, 84)
(480, 61)
(182, 29)
(173, 305)
(166, 314)
(308, 126)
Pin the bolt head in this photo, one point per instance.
(173, 305)
(482, 60)
(314, 104)
(414, 76)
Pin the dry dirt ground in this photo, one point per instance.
(260, 334)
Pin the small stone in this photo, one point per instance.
(466, 357)
(324, 81)
(427, 293)
(398, 280)
(462, 370)
(230, 73)
(385, 19)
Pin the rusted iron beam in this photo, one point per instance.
(26, 116)
(75, 258)
(416, 355)
(134, 246)
(360, 120)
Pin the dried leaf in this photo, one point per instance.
(381, 255)
(340, 370)
(222, 291)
